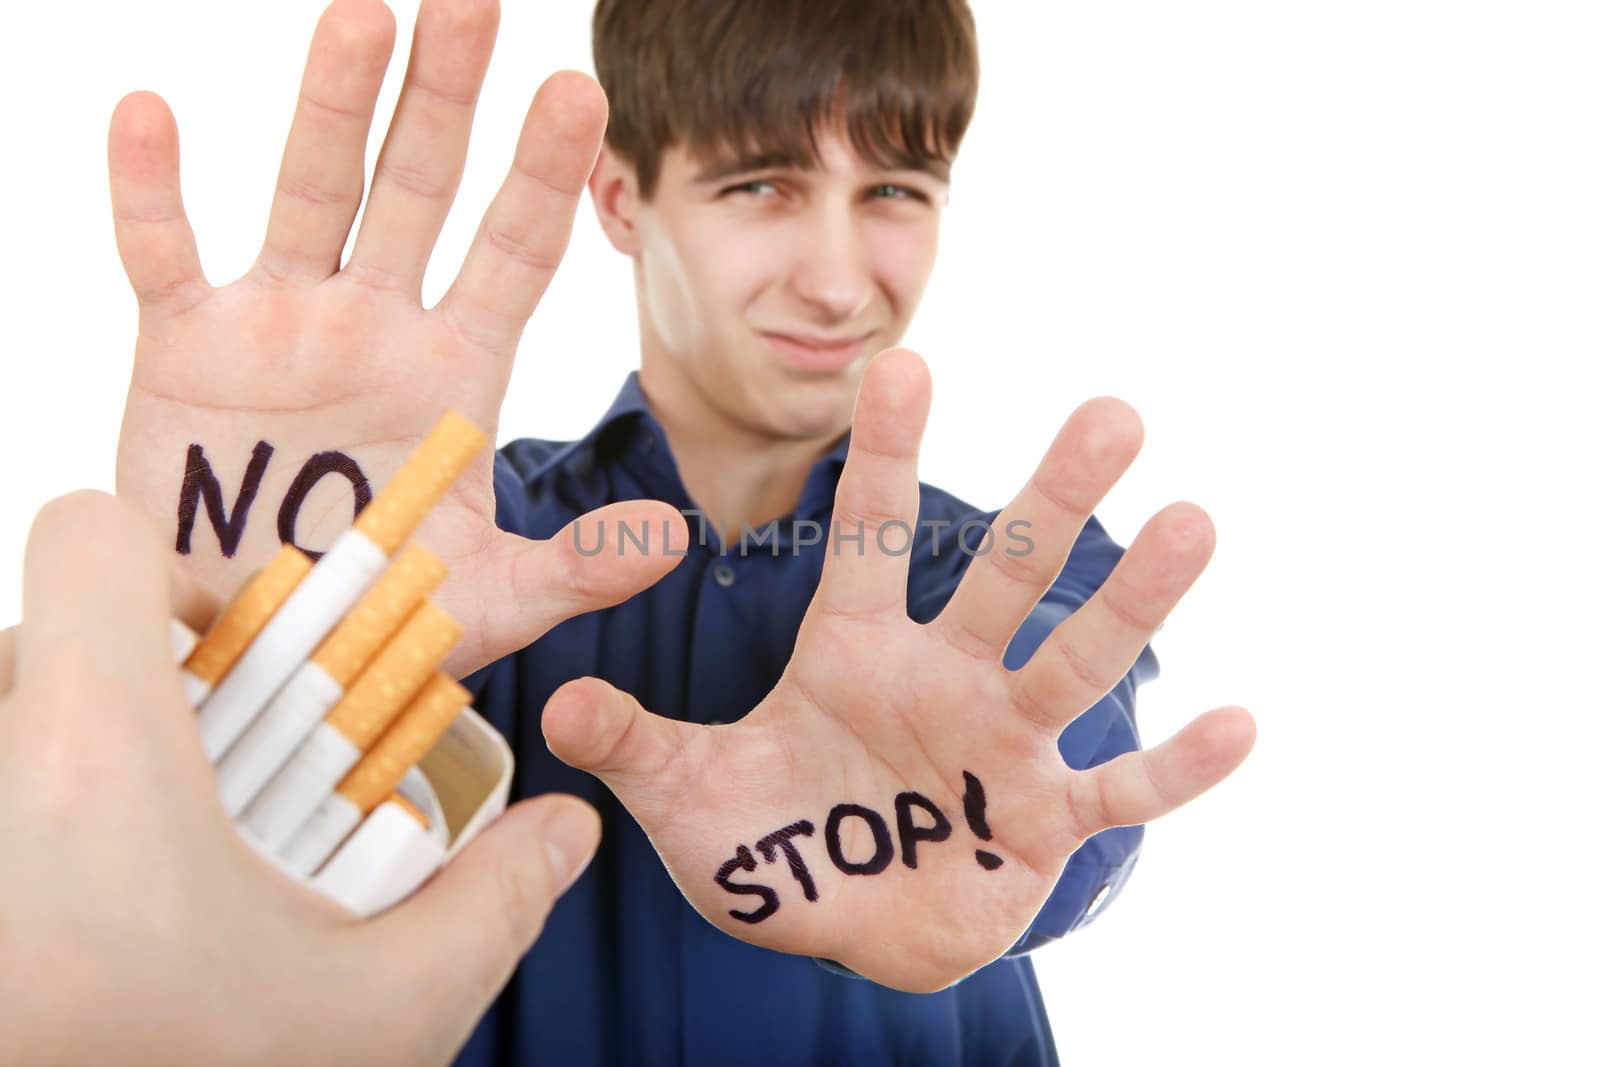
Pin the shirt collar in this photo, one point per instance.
(630, 405)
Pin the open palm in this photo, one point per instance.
(344, 363)
(898, 798)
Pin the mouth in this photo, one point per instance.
(807, 352)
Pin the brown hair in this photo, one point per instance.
(757, 78)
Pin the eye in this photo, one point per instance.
(747, 187)
(898, 192)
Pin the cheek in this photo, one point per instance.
(902, 256)
(745, 260)
(739, 264)
(702, 277)
(668, 293)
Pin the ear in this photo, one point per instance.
(614, 187)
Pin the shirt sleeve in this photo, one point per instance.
(1096, 872)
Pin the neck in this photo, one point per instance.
(738, 477)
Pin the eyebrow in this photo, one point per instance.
(745, 164)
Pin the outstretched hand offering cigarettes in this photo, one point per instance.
(318, 693)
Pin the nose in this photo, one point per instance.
(833, 268)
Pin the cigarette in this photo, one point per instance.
(241, 621)
(356, 559)
(387, 849)
(377, 773)
(183, 641)
(399, 800)
(427, 473)
(405, 742)
(376, 698)
(317, 686)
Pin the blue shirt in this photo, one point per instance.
(626, 972)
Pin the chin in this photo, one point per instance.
(814, 415)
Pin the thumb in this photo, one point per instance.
(455, 943)
(597, 560)
(594, 726)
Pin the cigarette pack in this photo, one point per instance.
(343, 754)
(460, 786)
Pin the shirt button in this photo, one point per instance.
(723, 574)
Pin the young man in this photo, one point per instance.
(840, 761)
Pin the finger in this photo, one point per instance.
(524, 233)
(1137, 787)
(152, 232)
(324, 160)
(8, 658)
(1088, 455)
(1095, 646)
(452, 946)
(420, 164)
(96, 597)
(597, 560)
(875, 506)
(192, 605)
(594, 726)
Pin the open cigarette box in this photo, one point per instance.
(344, 754)
(461, 785)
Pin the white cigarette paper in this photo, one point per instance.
(316, 605)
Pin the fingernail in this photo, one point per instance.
(571, 832)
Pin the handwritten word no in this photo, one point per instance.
(200, 484)
(910, 831)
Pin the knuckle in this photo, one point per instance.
(1087, 673)
(480, 328)
(412, 179)
(520, 251)
(315, 194)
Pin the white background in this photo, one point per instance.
(1343, 258)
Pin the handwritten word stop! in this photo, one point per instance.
(911, 831)
(200, 484)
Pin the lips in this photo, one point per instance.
(809, 352)
(822, 344)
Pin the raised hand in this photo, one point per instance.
(898, 797)
(244, 396)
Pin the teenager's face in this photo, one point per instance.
(765, 291)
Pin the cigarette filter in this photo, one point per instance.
(411, 735)
(300, 705)
(374, 700)
(395, 512)
(241, 621)
(407, 583)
